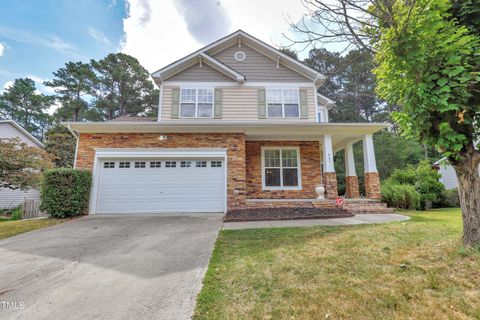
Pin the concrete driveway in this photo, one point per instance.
(107, 267)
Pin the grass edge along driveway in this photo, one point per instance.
(416, 269)
(12, 228)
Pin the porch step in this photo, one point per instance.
(355, 206)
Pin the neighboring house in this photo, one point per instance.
(240, 125)
(447, 172)
(12, 198)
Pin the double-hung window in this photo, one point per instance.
(283, 103)
(196, 103)
(281, 168)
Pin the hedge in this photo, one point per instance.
(401, 196)
(65, 192)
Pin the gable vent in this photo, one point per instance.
(240, 56)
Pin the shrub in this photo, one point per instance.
(451, 198)
(424, 179)
(16, 213)
(401, 196)
(65, 192)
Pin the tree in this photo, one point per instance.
(350, 83)
(289, 52)
(71, 84)
(428, 66)
(60, 143)
(123, 87)
(22, 103)
(21, 166)
(428, 63)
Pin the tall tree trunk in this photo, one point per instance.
(469, 192)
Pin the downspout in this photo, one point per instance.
(76, 145)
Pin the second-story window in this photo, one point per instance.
(282, 103)
(196, 103)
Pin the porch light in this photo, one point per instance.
(162, 138)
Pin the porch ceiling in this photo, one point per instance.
(274, 130)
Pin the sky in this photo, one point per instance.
(38, 37)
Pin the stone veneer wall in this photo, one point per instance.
(351, 187)
(372, 185)
(235, 143)
(309, 166)
(331, 185)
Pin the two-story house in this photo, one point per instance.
(240, 125)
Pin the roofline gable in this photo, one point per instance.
(292, 63)
(25, 132)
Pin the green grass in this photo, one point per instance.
(408, 270)
(9, 228)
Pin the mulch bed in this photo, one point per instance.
(260, 214)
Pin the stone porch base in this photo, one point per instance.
(355, 206)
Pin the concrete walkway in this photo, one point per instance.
(357, 219)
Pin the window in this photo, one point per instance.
(196, 103)
(109, 165)
(281, 168)
(140, 164)
(201, 164)
(216, 164)
(282, 103)
(186, 164)
(155, 164)
(124, 164)
(170, 164)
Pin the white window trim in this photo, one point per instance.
(196, 102)
(283, 102)
(299, 169)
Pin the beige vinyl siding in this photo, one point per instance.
(239, 103)
(258, 67)
(204, 73)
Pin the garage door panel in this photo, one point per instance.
(160, 189)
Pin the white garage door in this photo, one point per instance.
(161, 186)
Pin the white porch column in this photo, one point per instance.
(349, 161)
(329, 175)
(372, 179)
(328, 165)
(369, 154)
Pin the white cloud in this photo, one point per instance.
(49, 41)
(7, 85)
(41, 88)
(98, 36)
(54, 107)
(166, 38)
(2, 48)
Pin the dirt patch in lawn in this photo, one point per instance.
(285, 214)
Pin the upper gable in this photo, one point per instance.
(197, 72)
(257, 67)
(263, 63)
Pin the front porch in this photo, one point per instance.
(266, 170)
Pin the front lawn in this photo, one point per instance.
(407, 270)
(9, 228)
